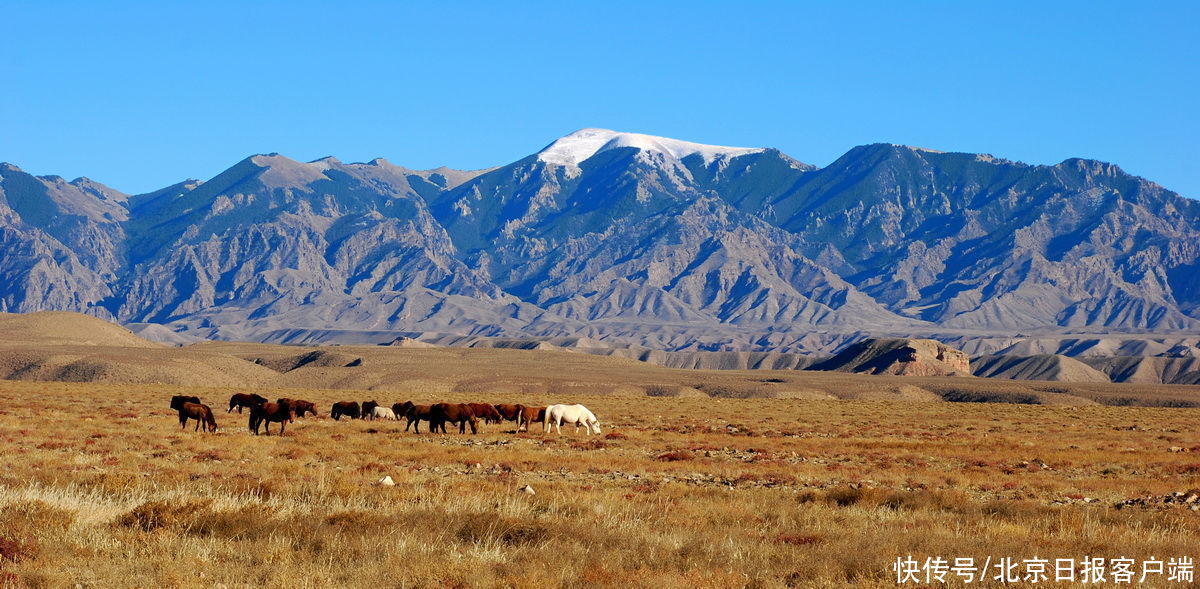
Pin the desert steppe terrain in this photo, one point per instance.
(699, 478)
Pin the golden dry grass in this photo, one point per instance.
(99, 487)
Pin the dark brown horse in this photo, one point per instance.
(509, 412)
(201, 413)
(265, 413)
(348, 408)
(485, 412)
(178, 400)
(301, 407)
(531, 415)
(246, 400)
(414, 414)
(368, 407)
(457, 413)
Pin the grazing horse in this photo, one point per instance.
(414, 414)
(240, 400)
(265, 413)
(556, 415)
(530, 415)
(348, 408)
(178, 400)
(201, 413)
(381, 413)
(301, 407)
(368, 407)
(485, 412)
(457, 413)
(509, 412)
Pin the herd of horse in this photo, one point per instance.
(283, 411)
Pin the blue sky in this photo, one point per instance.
(141, 95)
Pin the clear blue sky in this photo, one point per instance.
(140, 95)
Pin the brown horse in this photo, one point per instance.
(531, 415)
(457, 413)
(368, 407)
(201, 413)
(178, 400)
(485, 412)
(414, 414)
(348, 408)
(301, 407)
(246, 400)
(509, 412)
(264, 414)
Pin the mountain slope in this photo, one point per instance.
(62, 243)
(624, 238)
(971, 241)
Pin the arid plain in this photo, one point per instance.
(700, 478)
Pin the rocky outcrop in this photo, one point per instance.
(901, 357)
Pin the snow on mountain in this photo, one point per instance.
(577, 147)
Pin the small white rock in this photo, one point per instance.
(527, 490)
(386, 482)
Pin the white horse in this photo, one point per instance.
(383, 413)
(557, 415)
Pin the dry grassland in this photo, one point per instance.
(99, 487)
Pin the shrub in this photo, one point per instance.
(799, 539)
(674, 456)
(208, 456)
(656, 390)
(846, 496)
(487, 528)
(35, 515)
(589, 445)
(246, 523)
(12, 550)
(155, 515)
(957, 396)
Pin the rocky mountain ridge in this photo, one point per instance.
(624, 238)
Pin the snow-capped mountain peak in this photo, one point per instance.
(573, 149)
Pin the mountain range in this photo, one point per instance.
(618, 237)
